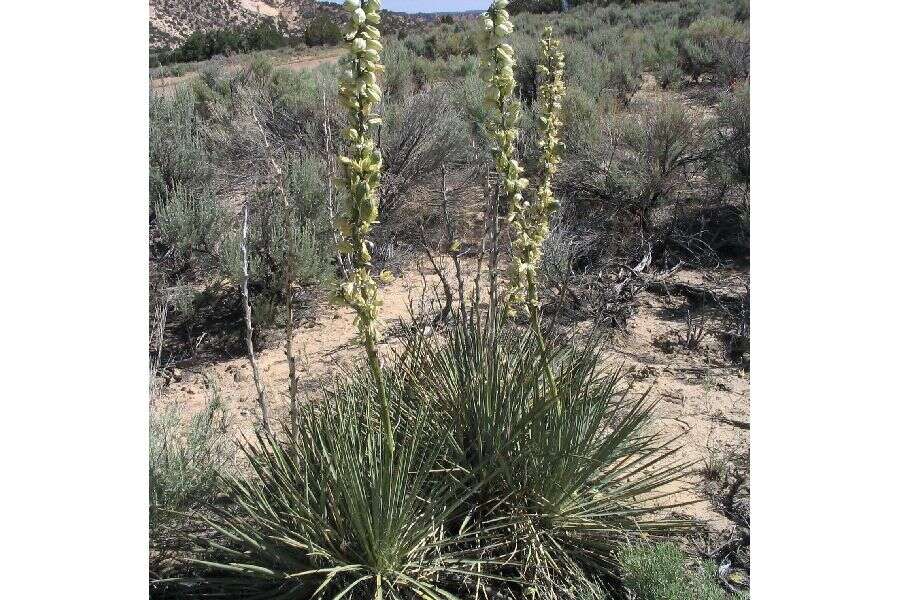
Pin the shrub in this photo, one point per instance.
(623, 75)
(190, 221)
(177, 156)
(322, 31)
(404, 72)
(717, 46)
(636, 162)
(526, 69)
(730, 150)
(583, 66)
(467, 98)
(186, 458)
(306, 245)
(421, 133)
(664, 145)
(337, 511)
(550, 477)
(669, 75)
(662, 58)
(661, 572)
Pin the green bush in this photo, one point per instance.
(466, 96)
(186, 458)
(716, 46)
(190, 221)
(404, 72)
(307, 247)
(583, 68)
(623, 75)
(526, 72)
(492, 483)
(662, 572)
(322, 31)
(730, 148)
(669, 75)
(421, 133)
(178, 158)
(664, 146)
(632, 163)
(662, 58)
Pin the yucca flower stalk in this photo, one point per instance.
(529, 221)
(497, 64)
(532, 224)
(361, 175)
(536, 225)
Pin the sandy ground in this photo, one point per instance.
(701, 395)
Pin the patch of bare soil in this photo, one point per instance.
(703, 397)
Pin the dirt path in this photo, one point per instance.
(303, 62)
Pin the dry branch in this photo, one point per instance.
(248, 319)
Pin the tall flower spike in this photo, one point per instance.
(533, 224)
(497, 64)
(361, 175)
(361, 170)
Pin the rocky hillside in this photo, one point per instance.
(171, 21)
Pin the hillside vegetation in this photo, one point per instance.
(172, 21)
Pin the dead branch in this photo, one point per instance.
(288, 281)
(248, 319)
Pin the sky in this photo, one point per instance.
(433, 5)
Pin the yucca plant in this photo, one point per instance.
(340, 514)
(561, 483)
(361, 176)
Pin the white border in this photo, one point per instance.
(74, 295)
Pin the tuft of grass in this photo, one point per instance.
(492, 485)
(336, 512)
(187, 455)
(560, 484)
(662, 572)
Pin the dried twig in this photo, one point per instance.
(288, 280)
(248, 320)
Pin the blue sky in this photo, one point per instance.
(432, 5)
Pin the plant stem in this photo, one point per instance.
(248, 320)
(383, 405)
(535, 314)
